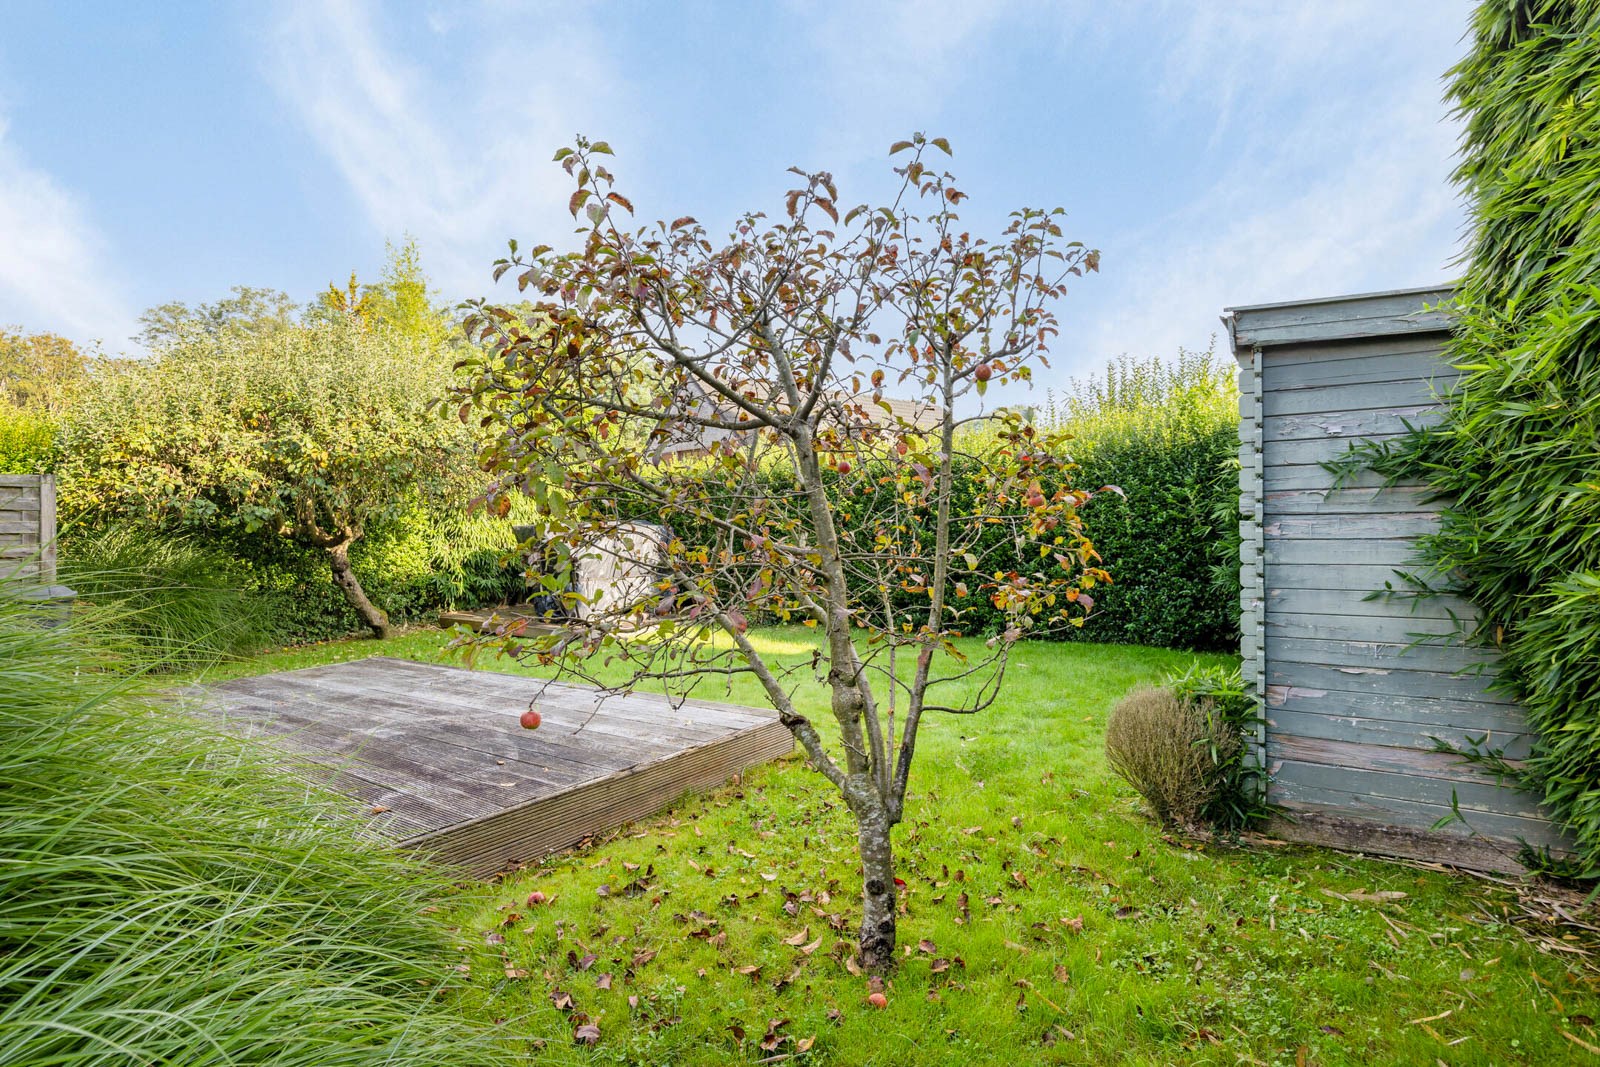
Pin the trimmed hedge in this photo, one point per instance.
(1166, 434)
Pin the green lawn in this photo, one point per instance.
(1046, 920)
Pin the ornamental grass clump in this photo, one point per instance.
(168, 896)
(1170, 750)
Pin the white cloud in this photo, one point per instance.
(1339, 184)
(53, 263)
(461, 162)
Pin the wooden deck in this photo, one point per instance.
(439, 762)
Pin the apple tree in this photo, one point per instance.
(316, 432)
(813, 499)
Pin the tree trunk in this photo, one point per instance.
(877, 878)
(345, 578)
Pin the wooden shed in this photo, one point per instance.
(1355, 686)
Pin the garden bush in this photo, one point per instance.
(1163, 746)
(169, 895)
(311, 453)
(1184, 747)
(1166, 434)
(27, 440)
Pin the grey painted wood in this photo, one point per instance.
(1341, 526)
(1298, 791)
(1336, 399)
(1358, 601)
(1322, 723)
(1353, 688)
(1442, 659)
(440, 750)
(1375, 366)
(1393, 552)
(1338, 351)
(1366, 501)
(1379, 628)
(1351, 425)
(1280, 478)
(1356, 577)
(1407, 691)
(1400, 312)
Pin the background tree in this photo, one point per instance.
(40, 371)
(249, 309)
(404, 299)
(317, 433)
(787, 335)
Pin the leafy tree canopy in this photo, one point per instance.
(40, 371)
(315, 432)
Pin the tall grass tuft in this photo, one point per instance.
(181, 600)
(167, 896)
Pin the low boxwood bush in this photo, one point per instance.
(170, 896)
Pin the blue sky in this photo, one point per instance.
(1216, 152)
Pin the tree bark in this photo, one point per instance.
(877, 877)
(344, 577)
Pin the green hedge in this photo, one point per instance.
(1166, 435)
(1515, 458)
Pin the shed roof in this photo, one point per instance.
(1339, 318)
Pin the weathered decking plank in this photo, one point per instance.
(441, 751)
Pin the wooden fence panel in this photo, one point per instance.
(28, 527)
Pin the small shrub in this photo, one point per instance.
(27, 440)
(1239, 795)
(1168, 749)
